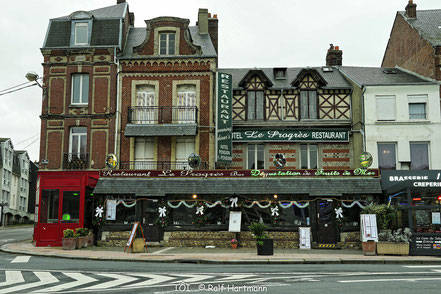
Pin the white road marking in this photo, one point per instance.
(161, 251)
(390, 280)
(153, 280)
(192, 278)
(12, 277)
(80, 280)
(421, 266)
(45, 279)
(118, 280)
(21, 259)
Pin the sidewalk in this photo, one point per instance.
(217, 255)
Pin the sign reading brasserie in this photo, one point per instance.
(254, 173)
(335, 135)
(224, 126)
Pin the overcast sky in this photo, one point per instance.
(252, 33)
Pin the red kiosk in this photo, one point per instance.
(64, 201)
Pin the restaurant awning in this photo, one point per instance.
(225, 186)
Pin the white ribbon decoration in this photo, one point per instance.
(179, 204)
(200, 210)
(338, 212)
(214, 204)
(162, 211)
(354, 203)
(99, 211)
(274, 211)
(125, 204)
(233, 201)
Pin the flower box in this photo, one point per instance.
(393, 248)
(369, 248)
(68, 243)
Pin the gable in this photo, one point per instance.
(309, 79)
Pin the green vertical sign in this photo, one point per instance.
(224, 121)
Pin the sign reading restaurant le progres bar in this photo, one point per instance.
(322, 135)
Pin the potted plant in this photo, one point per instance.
(68, 241)
(90, 238)
(233, 243)
(385, 214)
(265, 245)
(82, 237)
(396, 243)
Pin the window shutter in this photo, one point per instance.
(303, 104)
(259, 105)
(312, 104)
(85, 89)
(251, 105)
(385, 108)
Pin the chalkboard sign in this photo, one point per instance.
(429, 244)
(136, 226)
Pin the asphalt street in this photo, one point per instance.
(26, 274)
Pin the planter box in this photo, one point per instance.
(267, 248)
(369, 248)
(393, 248)
(90, 240)
(68, 243)
(81, 242)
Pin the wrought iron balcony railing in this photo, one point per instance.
(158, 165)
(162, 114)
(75, 160)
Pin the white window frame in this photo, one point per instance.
(380, 108)
(138, 160)
(76, 26)
(81, 98)
(256, 157)
(186, 98)
(308, 155)
(167, 44)
(418, 99)
(188, 141)
(72, 135)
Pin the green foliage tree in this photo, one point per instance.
(385, 214)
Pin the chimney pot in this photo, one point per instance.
(411, 9)
(337, 47)
(334, 57)
(215, 16)
(203, 21)
(209, 15)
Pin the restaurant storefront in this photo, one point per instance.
(164, 202)
(417, 196)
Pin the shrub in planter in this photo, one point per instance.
(265, 245)
(385, 214)
(82, 237)
(90, 239)
(396, 243)
(68, 241)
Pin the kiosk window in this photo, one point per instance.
(49, 206)
(71, 207)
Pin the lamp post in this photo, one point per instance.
(2, 204)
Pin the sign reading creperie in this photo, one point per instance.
(254, 173)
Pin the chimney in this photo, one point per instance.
(411, 9)
(120, 1)
(334, 56)
(213, 30)
(132, 19)
(203, 21)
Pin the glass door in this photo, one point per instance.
(49, 215)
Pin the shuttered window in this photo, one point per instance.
(308, 105)
(385, 108)
(255, 105)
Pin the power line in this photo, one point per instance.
(1, 94)
(27, 139)
(32, 142)
(15, 86)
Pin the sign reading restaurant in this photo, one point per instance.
(253, 173)
(322, 135)
(224, 125)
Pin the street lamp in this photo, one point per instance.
(33, 77)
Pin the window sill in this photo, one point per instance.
(85, 105)
(407, 122)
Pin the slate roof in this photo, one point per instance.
(334, 78)
(226, 186)
(137, 36)
(427, 24)
(4, 139)
(105, 28)
(152, 130)
(376, 76)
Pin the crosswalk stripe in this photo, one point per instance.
(80, 280)
(118, 280)
(12, 277)
(44, 277)
(193, 278)
(154, 279)
(21, 259)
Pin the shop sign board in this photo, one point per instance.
(305, 237)
(253, 173)
(294, 135)
(419, 178)
(235, 221)
(429, 244)
(224, 118)
(369, 230)
(436, 218)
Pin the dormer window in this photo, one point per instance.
(167, 43)
(81, 33)
(280, 73)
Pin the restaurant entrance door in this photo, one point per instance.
(326, 231)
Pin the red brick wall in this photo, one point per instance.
(54, 142)
(407, 49)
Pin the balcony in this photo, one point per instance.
(153, 121)
(163, 115)
(158, 165)
(75, 160)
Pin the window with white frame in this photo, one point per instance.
(417, 106)
(308, 104)
(80, 89)
(387, 156)
(145, 112)
(144, 153)
(256, 156)
(419, 155)
(308, 156)
(184, 147)
(78, 141)
(386, 109)
(255, 104)
(167, 43)
(81, 33)
(186, 104)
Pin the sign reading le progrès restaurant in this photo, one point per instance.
(322, 135)
(224, 126)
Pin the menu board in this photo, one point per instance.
(111, 210)
(369, 227)
(426, 245)
(305, 238)
(235, 221)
